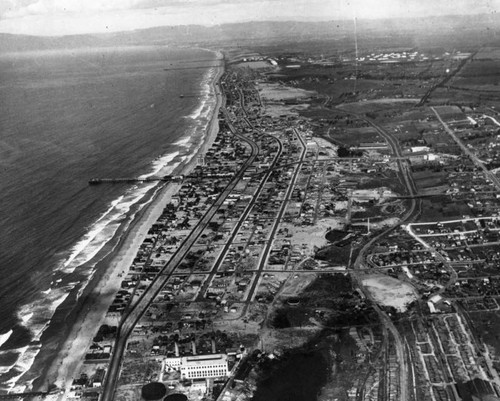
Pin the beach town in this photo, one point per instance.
(334, 238)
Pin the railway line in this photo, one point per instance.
(358, 264)
(133, 315)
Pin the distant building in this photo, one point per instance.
(416, 149)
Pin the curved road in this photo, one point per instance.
(134, 314)
(241, 219)
(384, 318)
(274, 229)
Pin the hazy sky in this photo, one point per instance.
(61, 17)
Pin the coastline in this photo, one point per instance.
(91, 313)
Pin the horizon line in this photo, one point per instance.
(244, 22)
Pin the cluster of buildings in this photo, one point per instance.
(264, 233)
(215, 283)
(395, 56)
(195, 195)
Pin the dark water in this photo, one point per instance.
(66, 117)
(298, 377)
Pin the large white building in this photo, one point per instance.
(173, 363)
(199, 366)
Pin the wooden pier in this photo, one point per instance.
(22, 396)
(122, 180)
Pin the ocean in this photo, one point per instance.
(66, 117)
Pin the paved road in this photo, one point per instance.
(445, 80)
(489, 175)
(240, 222)
(276, 223)
(358, 264)
(134, 314)
(492, 119)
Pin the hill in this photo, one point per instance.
(477, 28)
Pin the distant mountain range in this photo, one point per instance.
(252, 33)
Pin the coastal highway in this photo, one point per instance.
(132, 316)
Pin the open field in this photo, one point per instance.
(437, 208)
(487, 327)
(429, 181)
(389, 291)
(277, 92)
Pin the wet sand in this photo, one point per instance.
(67, 364)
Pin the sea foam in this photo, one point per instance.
(206, 94)
(105, 227)
(5, 336)
(184, 141)
(37, 314)
(28, 355)
(18, 351)
(160, 164)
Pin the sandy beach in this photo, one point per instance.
(69, 360)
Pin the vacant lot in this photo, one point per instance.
(389, 291)
(487, 328)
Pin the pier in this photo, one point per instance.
(22, 396)
(167, 178)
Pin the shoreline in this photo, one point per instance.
(91, 309)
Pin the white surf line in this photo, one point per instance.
(5, 336)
